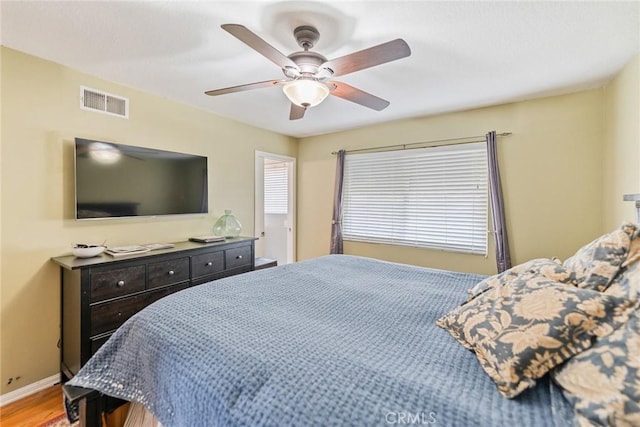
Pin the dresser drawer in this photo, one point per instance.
(238, 257)
(108, 316)
(116, 283)
(205, 264)
(167, 272)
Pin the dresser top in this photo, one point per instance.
(71, 262)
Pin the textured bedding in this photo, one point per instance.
(337, 340)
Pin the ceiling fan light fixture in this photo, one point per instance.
(306, 92)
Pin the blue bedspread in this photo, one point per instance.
(337, 340)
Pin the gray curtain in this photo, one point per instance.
(503, 256)
(336, 226)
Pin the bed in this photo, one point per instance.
(336, 340)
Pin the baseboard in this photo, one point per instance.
(29, 389)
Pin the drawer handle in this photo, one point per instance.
(120, 283)
(171, 272)
(209, 264)
(239, 257)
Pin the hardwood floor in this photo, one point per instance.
(33, 410)
(46, 404)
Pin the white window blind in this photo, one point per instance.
(427, 197)
(276, 188)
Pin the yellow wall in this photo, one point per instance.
(622, 144)
(40, 118)
(550, 166)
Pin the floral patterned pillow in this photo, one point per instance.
(603, 382)
(596, 263)
(550, 268)
(627, 283)
(633, 230)
(526, 327)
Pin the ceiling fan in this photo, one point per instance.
(307, 73)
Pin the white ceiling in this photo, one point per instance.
(464, 54)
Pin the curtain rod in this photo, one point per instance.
(450, 141)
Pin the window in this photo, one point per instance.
(276, 188)
(428, 197)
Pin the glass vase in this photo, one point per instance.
(227, 226)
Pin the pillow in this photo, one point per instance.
(634, 246)
(550, 268)
(596, 263)
(603, 383)
(526, 327)
(627, 283)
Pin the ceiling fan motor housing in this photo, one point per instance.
(307, 62)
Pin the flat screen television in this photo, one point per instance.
(119, 181)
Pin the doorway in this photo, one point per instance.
(275, 207)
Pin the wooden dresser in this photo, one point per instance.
(99, 294)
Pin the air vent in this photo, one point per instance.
(95, 100)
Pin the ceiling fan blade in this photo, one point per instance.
(297, 112)
(366, 58)
(350, 93)
(255, 42)
(242, 88)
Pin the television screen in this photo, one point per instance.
(115, 180)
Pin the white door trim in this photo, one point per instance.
(259, 199)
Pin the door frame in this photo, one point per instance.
(260, 156)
